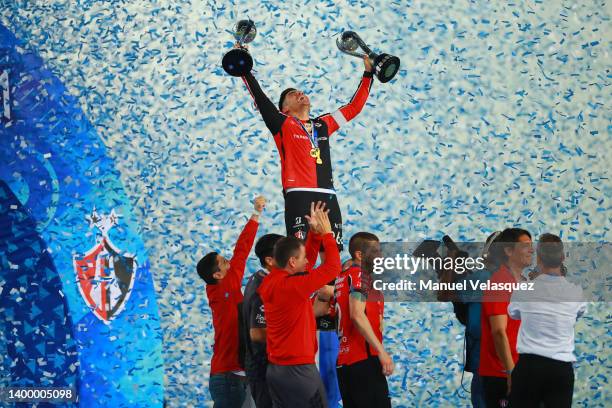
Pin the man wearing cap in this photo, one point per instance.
(303, 146)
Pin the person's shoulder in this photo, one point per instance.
(212, 291)
(353, 270)
(253, 281)
(501, 275)
(575, 293)
(265, 284)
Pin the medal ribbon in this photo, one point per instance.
(313, 137)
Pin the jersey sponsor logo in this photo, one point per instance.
(298, 222)
(317, 124)
(321, 139)
(261, 319)
(300, 234)
(105, 275)
(295, 135)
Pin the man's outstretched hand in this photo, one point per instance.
(318, 220)
(260, 204)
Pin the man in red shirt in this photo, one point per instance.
(363, 362)
(292, 376)
(304, 149)
(223, 279)
(499, 332)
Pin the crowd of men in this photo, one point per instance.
(267, 338)
(277, 314)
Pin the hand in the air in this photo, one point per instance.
(318, 220)
(260, 204)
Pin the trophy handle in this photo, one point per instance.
(354, 36)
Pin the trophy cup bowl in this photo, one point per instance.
(238, 62)
(385, 65)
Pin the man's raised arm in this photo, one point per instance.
(347, 112)
(305, 285)
(245, 240)
(269, 112)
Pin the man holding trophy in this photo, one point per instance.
(302, 141)
(303, 146)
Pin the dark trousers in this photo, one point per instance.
(495, 392)
(260, 393)
(296, 386)
(227, 390)
(476, 392)
(363, 385)
(540, 381)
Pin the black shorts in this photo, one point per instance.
(363, 385)
(297, 206)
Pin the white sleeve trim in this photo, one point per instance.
(339, 118)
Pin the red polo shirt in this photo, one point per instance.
(223, 299)
(291, 332)
(490, 364)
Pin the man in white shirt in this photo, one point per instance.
(544, 374)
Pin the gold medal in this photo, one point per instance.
(316, 153)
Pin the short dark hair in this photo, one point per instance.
(283, 94)
(506, 239)
(359, 241)
(285, 248)
(265, 247)
(207, 266)
(550, 250)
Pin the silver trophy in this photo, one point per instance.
(385, 65)
(238, 62)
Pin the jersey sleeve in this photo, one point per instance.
(312, 246)
(272, 117)
(338, 118)
(354, 281)
(242, 250)
(494, 308)
(257, 318)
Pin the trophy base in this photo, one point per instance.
(386, 67)
(237, 62)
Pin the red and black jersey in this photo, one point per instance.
(353, 346)
(298, 168)
(223, 299)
